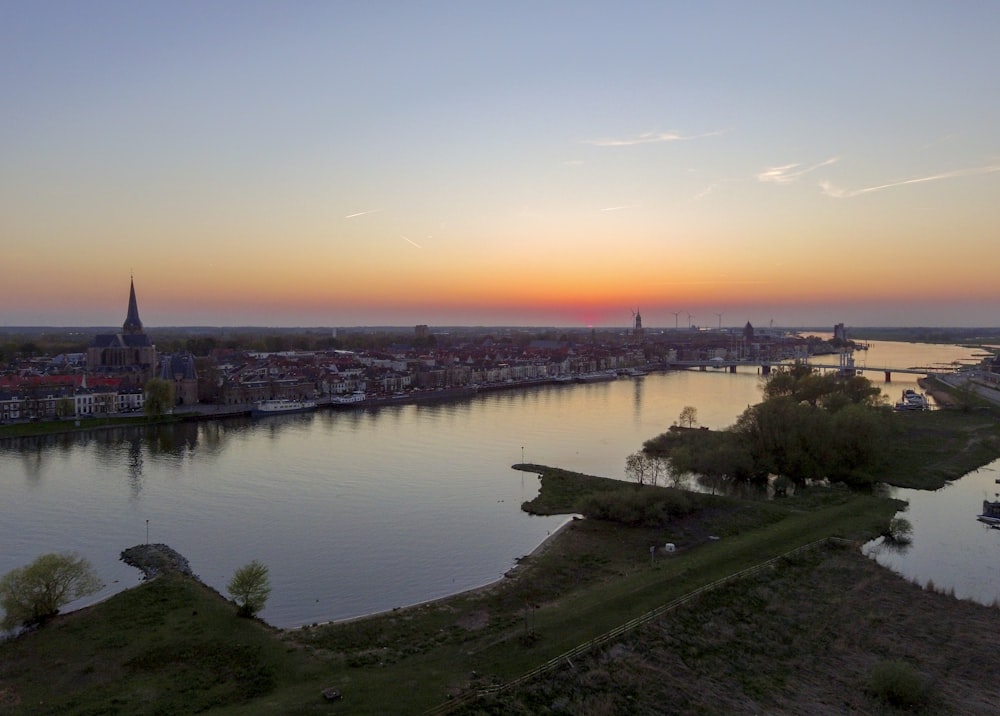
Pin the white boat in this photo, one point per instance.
(281, 406)
(912, 400)
(355, 397)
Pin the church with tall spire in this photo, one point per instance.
(130, 353)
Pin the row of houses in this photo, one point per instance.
(65, 396)
(249, 377)
(61, 387)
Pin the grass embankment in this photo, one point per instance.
(71, 425)
(174, 646)
(807, 637)
(170, 646)
(931, 448)
(595, 577)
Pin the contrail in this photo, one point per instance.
(404, 238)
(837, 193)
(361, 213)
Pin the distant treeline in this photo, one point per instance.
(927, 335)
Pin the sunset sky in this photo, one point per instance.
(519, 163)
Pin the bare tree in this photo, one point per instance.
(644, 469)
(689, 416)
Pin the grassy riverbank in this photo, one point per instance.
(172, 645)
(809, 636)
(152, 648)
(72, 425)
(169, 646)
(933, 447)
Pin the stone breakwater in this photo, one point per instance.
(154, 559)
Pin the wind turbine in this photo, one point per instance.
(676, 318)
(689, 320)
(720, 320)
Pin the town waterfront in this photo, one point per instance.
(363, 510)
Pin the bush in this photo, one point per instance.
(897, 683)
(33, 594)
(899, 532)
(650, 507)
(250, 587)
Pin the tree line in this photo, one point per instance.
(809, 427)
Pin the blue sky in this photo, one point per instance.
(556, 163)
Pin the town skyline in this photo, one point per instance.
(339, 165)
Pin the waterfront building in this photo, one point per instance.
(179, 369)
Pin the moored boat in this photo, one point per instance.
(597, 377)
(281, 406)
(991, 514)
(357, 396)
(912, 400)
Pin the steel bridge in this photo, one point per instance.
(765, 367)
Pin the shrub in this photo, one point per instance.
(250, 587)
(649, 507)
(899, 532)
(897, 683)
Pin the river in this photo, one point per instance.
(355, 511)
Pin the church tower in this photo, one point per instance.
(129, 354)
(132, 325)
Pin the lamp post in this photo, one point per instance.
(522, 454)
(147, 531)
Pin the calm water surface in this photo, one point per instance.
(950, 548)
(353, 512)
(360, 511)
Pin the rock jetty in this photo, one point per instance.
(154, 559)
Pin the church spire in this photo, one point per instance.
(132, 323)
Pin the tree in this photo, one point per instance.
(645, 469)
(716, 455)
(859, 444)
(64, 407)
(786, 437)
(688, 416)
(33, 594)
(250, 587)
(159, 397)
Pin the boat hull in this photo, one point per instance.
(267, 408)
